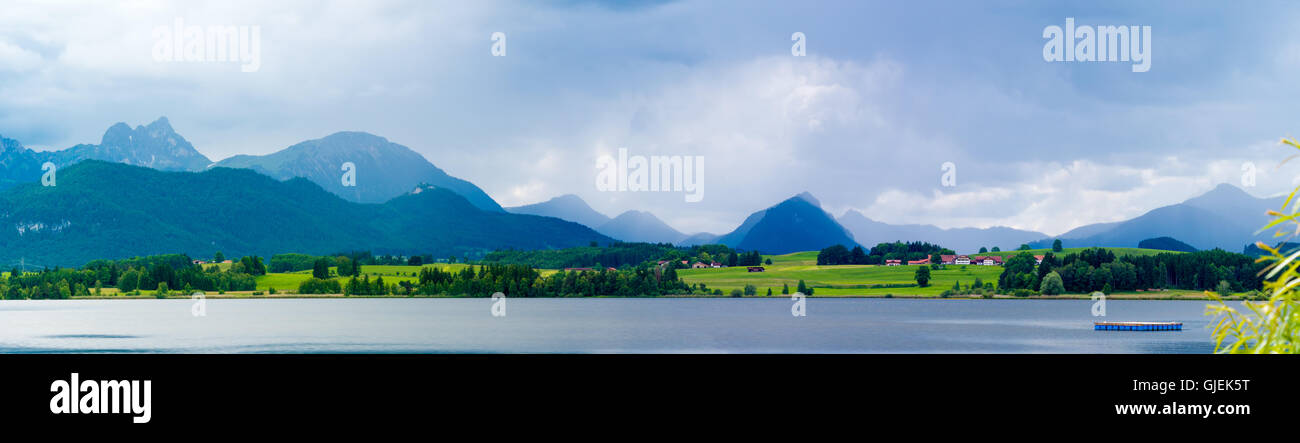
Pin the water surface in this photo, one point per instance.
(613, 325)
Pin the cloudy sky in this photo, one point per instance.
(887, 92)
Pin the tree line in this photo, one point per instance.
(841, 255)
(160, 272)
(514, 281)
(1097, 269)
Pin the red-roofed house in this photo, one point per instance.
(893, 262)
(1038, 259)
(919, 262)
(961, 260)
(988, 260)
(948, 259)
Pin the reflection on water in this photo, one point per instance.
(595, 325)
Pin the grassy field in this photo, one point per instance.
(289, 282)
(857, 280)
(836, 280)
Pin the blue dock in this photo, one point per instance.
(1137, 326)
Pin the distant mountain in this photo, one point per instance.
(796, 224)
(702, 238)
(1225, 217)
(640, 226)
(1285, 248)
(155, 146)
(963, 240)
(565, 207)
(108, 210)
(1165, 244)
(383, 169)
(18, 164)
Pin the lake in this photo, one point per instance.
(604, 325)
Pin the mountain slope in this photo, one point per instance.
(565, 207)
(383, 169)
(796, 224)
(17, 164)
(1166, 243)
(963, 240)
(108, 210)
(639, 226)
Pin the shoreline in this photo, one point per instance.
(1167, 297)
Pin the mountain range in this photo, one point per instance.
(796, 224)
(241, 212)
(962, 240)
(1225, 217)
(155, 145)
(394, 184)
(383, 169)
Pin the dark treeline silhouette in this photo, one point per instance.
(1097, 269)
(841, 255)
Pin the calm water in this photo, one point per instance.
(595, 325)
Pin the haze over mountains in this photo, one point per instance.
(565, 207)
(1225, 217)
(962, 240)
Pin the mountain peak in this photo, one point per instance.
(808, 197)
(1227, 189)
(161, 123)
(117, 135)
(640, 226)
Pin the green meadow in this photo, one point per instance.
(837, 280)
(289, 281)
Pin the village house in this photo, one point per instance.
(948, 259)
(755, 269)
(1038, 259)
(893, 262)
(988, 260)
(699, 265)
(919, 262)
(961, 260)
